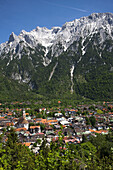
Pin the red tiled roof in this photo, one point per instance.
(62, 148)
(2, 117)
(98, 131)
(90, 113)
(55, 139)
(21, 129)
(9, 114)
(33, 127)
(10, 124)
(40, 133)
(27, 143)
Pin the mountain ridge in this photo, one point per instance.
(61, 60)
(47, 37)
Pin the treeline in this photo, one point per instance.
(96, 153)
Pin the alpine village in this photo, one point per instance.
(56, 97)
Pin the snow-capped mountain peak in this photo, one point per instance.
(71, 31)
(13, 37)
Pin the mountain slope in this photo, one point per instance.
(76, 58)
(11, 90)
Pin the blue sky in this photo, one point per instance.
(17, 15)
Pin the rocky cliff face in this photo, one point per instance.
(67, 57)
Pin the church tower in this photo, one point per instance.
(24, 113)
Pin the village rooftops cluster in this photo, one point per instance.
(84, 120)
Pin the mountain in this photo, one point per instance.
(75, 59)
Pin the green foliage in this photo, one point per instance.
(92, 120)
(38, 141)
(99, 111)
(42, 126)
(11, 90)
(94, 154)
(87, 121)
(13, 155)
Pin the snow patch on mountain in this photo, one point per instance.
(46, 61)
(71, 72)
(53, 71)
(79, 60)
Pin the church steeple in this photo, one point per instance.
(24, 113)
(22, 122)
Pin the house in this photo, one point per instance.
(21, 130)
(40, 135)
(10, 124)
(60, 119)
(49, 131)
(52, 122)
(28, 144)
(70, 141)
(57, 127)
(79, 131)
(64, 122)
(58, 114)
(35, 129)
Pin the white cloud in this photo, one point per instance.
(63, 6)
